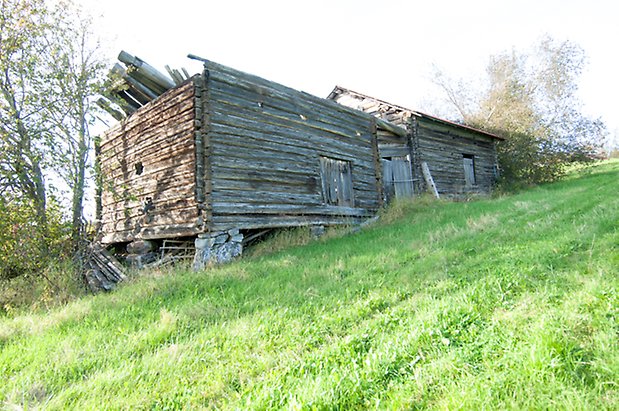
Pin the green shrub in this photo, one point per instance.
(30, 253)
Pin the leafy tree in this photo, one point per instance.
(50, 71)
(24, 98)
(530, 98)
(78, 83)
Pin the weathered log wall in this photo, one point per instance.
(148, 164)
(439, 143)
(265, 143)
(443, 147)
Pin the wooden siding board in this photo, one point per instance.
(160, 136)
(152, 233)
(283, 141)
(171, 105)
(153, 166)
(246, 222)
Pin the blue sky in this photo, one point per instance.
(382, 48)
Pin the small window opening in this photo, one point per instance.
(139, 168)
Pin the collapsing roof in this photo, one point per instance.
(360, 98)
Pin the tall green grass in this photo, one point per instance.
(505, 303)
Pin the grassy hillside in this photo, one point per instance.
(504, 303)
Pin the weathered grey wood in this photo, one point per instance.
(256, 126)
(105, 271)
(178, 79)
(265, 87)
(444, 153)
(402, 177)
(146, 71)
(428, 177)
(439, 143)
(378, 184)
(469, 171)
(397, 177)
(205, 87)
(158, 139)
(248, 222)
(128, 103)
(388, 187)
(230, 150)
(283, 119)
(336, 182)
(393, 150)
(138, 87)
(385, 125)
(152, 233)
(110, 264)
(157, 112)
(199, 141)
(283, 136)
(278, 209)
(290, 105)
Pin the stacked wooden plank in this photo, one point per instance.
(138, 83)
(104, 271)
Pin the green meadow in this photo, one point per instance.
(510, 302)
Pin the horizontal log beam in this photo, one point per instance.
(385, 125)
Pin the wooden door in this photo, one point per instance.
(397, 177)
(388, 188)
(469, 170)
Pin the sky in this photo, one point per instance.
(386, 48)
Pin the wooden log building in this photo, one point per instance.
(461, 160)
(225, 154)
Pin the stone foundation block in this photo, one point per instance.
(217, 248)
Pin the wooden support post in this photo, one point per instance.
(411, 154)
(178, 79)
(378, 169)
(413, 126)
(207, 151)
(429, 180)
(105, 105)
